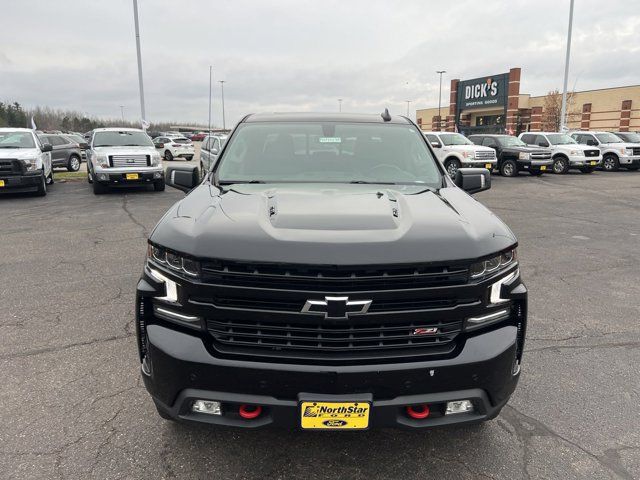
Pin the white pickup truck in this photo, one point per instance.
(457, 151)
(566, 153)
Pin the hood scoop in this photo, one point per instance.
(332, 210)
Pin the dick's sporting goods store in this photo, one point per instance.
(494, 104)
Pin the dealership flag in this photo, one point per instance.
(33, 123)
(145, 124)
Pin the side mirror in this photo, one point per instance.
(47, 147)
(435, 145)
(543, 144)
(83, 145)
(592, 143)
(473, 180)
(182, 177)
(215, 151)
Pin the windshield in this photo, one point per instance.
(608, 138)
(560, 139)
(511, 142)
(16, 140)
(331, 152)
(631, 137)
(455, 139)
(128, 138)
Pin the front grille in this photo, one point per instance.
(636, 150)
(330, 277)
(129, 160)
(324, 339)
(11, 166)
(483, 155)
(540, 155)
(591, 153)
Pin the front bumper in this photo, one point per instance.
(544, 165)
(125, 176)
(581, 162)
(629, 160)
(489, 164)
(179, 369)
(27, 182)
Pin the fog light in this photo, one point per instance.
(459, 406)
(157, 175)
(209, 407)
(102, 176)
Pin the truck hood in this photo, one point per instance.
(332, 224)
(19, 153)
(526, 149)
(112, 150)
(468, 148)
(572, 146)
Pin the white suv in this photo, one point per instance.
(171, 147)
(25, 162)
(616, 152)
(565, 151)
(457, 151)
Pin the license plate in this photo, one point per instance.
(1, 183)
(543, 167)
(132, 176)
(594, 163)
(488, 165)
(334, 415)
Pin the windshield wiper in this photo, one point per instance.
(11, 146)
(364, 182)
(232, 182)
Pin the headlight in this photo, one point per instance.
(31, 163)
(101, 160)
(155, 159)
(524, 156)
(173, 260)
(493, 264)
(468, 154)
(624, 151)
(579, 153)
(629, 151)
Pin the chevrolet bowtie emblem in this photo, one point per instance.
(336, 307)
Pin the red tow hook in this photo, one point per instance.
(418, 411)
(249, 412)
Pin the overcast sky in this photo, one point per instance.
(298, 55)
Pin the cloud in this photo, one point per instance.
(300, 55)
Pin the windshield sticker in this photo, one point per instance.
(330, 140)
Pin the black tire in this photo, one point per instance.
(42, 186)
(202, 172)
(73, 165)
(587, 169)
(99, 189)
(189, 158)
(610, 163)
(536, 173)
(560, 165)
(168, 156)
(452, 165)
(158, 185)
(509, 168)
(50, 177)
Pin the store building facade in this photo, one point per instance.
(494, 104)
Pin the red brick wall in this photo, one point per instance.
(625, 115)
(513, 100)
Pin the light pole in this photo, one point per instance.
(440, 72)
(339, 105)
(137, 28)
(224, 125)
(408, 103)
(210, 77)
(122, 113)
(566, 72)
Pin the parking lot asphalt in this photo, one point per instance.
(72, 404)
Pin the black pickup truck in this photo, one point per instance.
(516, 156)
(327, 273)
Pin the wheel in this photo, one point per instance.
(168, 156)
(560, 165)
(189, 158)
(49, 178)
(202, 172)
(452, 165)
(158, 185)
(74, 163)
(99, 189)
(610, 163)
(509, 169)
(42, 186)
(587, 170)
(536, 173)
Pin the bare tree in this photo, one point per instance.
(552, 110)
